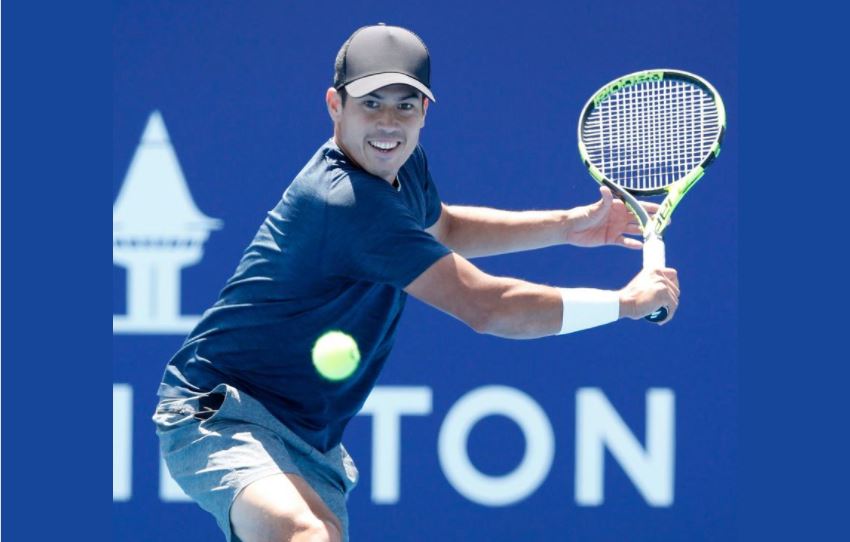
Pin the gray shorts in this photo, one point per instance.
(216, 444)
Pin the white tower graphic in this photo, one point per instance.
(156, 231)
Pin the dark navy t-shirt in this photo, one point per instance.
(334, 254)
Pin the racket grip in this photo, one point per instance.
(654, 258)
(653, 253)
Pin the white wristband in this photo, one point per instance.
(588, 307)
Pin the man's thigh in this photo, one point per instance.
(216, 456)
(282, 507)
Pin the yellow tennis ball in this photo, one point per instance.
(336, 355)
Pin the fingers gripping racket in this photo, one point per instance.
(652, 133)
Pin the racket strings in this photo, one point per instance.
(649, 135)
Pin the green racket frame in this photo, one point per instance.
(673, 187)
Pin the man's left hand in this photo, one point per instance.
(606, 222)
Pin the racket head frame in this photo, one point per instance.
(675, 190)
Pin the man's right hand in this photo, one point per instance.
(648, 291)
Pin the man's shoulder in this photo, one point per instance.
(419, 157)
(327, 176)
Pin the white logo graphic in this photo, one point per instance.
(156, 231)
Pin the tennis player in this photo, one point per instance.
(247, 427)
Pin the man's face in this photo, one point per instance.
(380, 130)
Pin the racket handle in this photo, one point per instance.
(653, 253)
(654, 258)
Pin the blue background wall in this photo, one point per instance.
(241, 87)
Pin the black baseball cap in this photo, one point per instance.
(380, 55)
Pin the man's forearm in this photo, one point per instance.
(524, 311)
(481, 231)
(514, 308)
(530, 311)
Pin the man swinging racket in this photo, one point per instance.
(248, 428)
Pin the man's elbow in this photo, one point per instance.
(479, 319)
(489, 322)
(481, 325)
(504, 325)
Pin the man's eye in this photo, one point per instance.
(371, 104)
(405, 106)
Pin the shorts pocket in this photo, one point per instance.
(173, 413)
(215, 405)
(209, 405)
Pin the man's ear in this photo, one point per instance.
(425, 103)
(334, 103)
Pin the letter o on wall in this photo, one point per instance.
(539, 445)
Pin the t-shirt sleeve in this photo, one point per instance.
(433, 205)
(370, 234)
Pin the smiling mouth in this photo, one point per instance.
(384, 146)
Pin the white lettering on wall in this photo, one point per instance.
(122, 442)
(386, 405)
(598, 426)
(539, 446)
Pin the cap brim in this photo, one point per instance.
(365, 85)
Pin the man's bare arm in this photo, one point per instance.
(500, 306)
(516, 309)
(481, 231)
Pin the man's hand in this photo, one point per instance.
(606, 222)
(649, 290)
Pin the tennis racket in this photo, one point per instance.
(652, 133)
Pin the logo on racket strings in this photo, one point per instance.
(628, 81)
